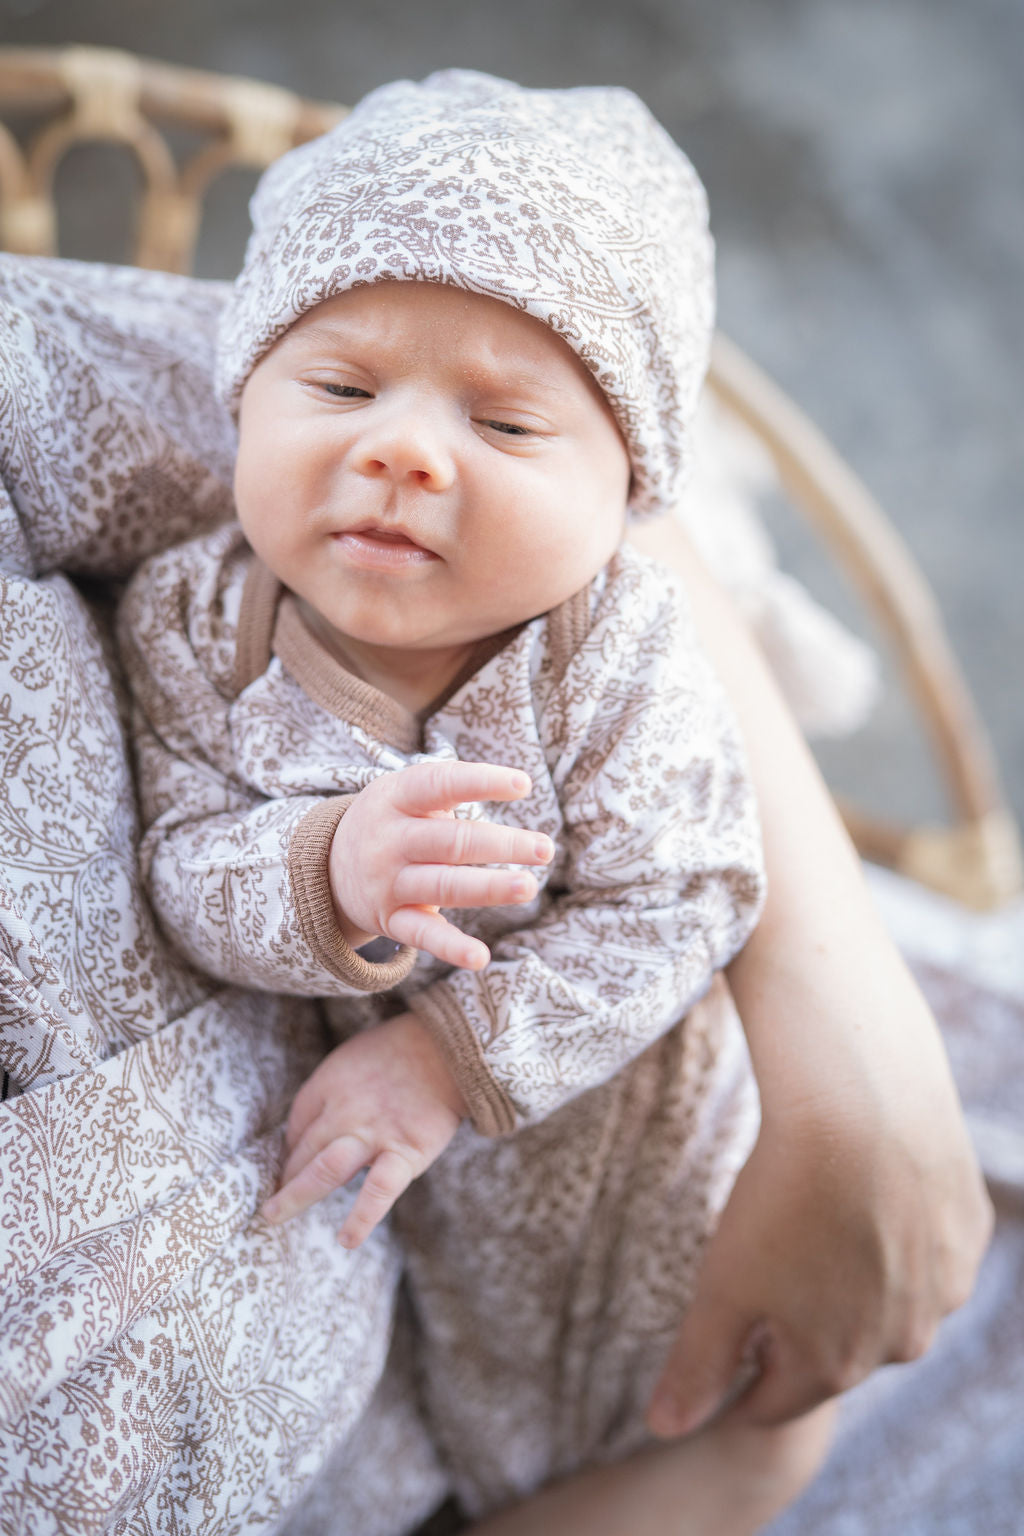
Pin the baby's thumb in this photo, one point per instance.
(700, 1373)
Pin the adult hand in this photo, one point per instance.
(847, 1239)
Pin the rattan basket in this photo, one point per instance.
(82, 94)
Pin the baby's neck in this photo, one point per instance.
(413, 678)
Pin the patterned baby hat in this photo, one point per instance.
(573, 205)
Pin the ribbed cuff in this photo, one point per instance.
(318, 923)
(487, 1104)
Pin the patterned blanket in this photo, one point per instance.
(166, 1363)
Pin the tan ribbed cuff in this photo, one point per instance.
(487, 1104)
(318, 922)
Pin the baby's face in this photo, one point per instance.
(425, 467)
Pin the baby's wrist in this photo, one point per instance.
(353, 935)
(431, 1060)
(339, 863)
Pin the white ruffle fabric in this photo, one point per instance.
(830, 676)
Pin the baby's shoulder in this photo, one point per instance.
(629, 632)
(186, 600)
(639, 587)
(636, 609)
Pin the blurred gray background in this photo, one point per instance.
(865, 167)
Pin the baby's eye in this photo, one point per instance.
(346, 391)
(509, 428)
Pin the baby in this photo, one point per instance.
(465, 346)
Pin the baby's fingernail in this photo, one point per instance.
(544, 849)
(270, 1210)
(521, 783)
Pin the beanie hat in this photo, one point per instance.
(574, 206)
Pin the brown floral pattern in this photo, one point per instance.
(547, 1269)
(637, 778)
(167, 1363)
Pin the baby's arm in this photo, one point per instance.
(657, 881)
(385, 1100)
(860, 1218)
(240, 879)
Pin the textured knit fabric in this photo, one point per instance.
(168, 1363)
(574, 206)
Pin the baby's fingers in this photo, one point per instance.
(428, 930)
(386, 1178)
(451, 885)
(430, 840)
(426, 788)
(308, 1177)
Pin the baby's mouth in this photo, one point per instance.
(384, 549)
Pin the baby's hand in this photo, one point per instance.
(400, 853)
(384, 1101)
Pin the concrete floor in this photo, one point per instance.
(863, 161)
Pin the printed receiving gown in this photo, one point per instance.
(251, 739)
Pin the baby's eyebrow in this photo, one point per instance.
(488, 371)
(323, 334)
(531, 384)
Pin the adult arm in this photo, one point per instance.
(861, 1218)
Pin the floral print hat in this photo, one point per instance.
(573, 205)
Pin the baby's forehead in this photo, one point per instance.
(436, 318)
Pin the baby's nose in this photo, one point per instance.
(407, 446)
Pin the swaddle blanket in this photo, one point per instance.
(166, 1362)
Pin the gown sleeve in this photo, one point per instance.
(238, 880)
